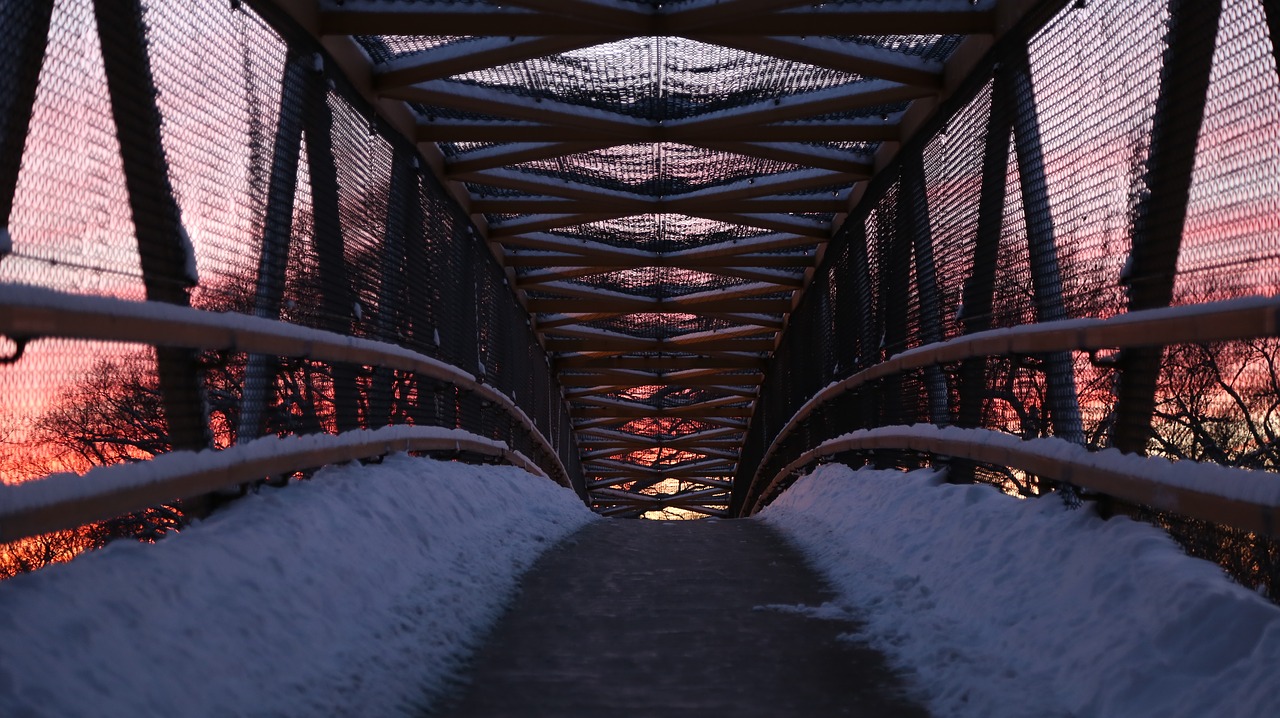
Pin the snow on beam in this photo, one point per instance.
(688, 412)
(732, 292)
(375, 17)
(774, 184)
(869, 93)
(794, 153)
(461, 57)
(67, 500)
(540, 184)
(461, 168)
(707, 435)
(442, 129)
(627, 379)
(833, 54)
(618, 13)
(539, 223)
(1240, 498)
(592, 307)
(661, 363)
(645, 205)
(762, 243)
(567, 320)
(711, 264)
(490, 101)
(630, 344)
(815, 229)
(556, 243)
(910, 17)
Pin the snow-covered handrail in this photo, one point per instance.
(1232, 319)
(1240, 498)
(68, 500)
(31, 312)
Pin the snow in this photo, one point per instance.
(1063, 460)
(355, 593)
(104, 480)
(992, 606)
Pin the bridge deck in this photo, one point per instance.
(661, 618)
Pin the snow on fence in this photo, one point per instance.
(1132, 478)
(1240, 498)
(68, 500)
(65, 501)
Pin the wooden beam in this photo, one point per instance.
(687, 412)
(555, 344)
(834, 54)
(541, 222)
(660, 363)
(841, 98)
(606, 304)
(493, 101)
(861, 130)
(794, 153)
(625, 379)
(457, 58)
(371, 17)
(557, 205)
(659, 260)
(773, 222)
(463, 166)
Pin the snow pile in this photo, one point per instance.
(355, 593)
(999, 607)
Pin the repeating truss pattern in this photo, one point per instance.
(660, 180)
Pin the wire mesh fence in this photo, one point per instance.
(209, 154)
(1124, 157)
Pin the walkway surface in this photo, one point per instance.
(645, 618)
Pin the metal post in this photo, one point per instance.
(979, 290)
(913, 213)
(1046, 278)
(336, 295)
(401, 195)
(277, 230)
(166, 254)
(1162, 212)
(894, 295)
(21, 57)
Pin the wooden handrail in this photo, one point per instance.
(31, 312)
(65, 501)
(1240, 498)
(1233, 319)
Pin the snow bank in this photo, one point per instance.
(355, 593)
(1000, 607)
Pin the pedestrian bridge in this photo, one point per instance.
(669, 255)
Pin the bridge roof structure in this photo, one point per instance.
(659, 180)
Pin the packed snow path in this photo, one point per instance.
(642, 618)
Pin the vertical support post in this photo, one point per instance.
(895, 263)
(392, 301)
(913, 214)
(337, 298)
(1162, 213)
(167, 259)
(277, 230)
(869, 329)
(979, 290)
(1046, 277)
(21, 57)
